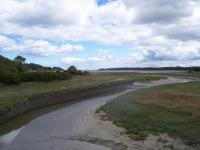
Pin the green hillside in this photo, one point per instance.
(17, 71)
(7, 64)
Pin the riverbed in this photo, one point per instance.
(66, 126)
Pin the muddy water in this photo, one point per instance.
(44, 128)
(10, 129)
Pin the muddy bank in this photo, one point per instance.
(47, 99)
(110, 133)
(78, 127)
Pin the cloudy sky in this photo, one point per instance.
(94, 34)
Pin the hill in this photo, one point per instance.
(7, 64)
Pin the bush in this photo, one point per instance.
(10, 78)
(195, 69)
(85, 73)
(73, 70)
(44, 76)
(13, 77)
(21, 67)
(1, 77)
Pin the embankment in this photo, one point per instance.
(52, 98)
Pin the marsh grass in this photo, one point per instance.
(11, 96)
(175, 101)
(172, 109)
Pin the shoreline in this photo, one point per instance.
(77, 127)
(52, 98)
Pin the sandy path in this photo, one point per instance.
(77, 127)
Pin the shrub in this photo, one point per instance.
(44, 76)
(73, 70)
(10, 78)
(1, 76)
(20, 67)
(16, 77)
(85, 73)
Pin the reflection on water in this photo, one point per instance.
(10, 129)
(186, 80)
(25, 118)
(7, 138)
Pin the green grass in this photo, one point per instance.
(172, 109)
(183, 74)
(11, 96)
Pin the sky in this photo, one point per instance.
(93, 34)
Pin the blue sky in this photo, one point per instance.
(104, 33)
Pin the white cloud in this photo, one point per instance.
(67, 20)
(116, 22)
(162, 30)
(100, 59)
(115, 13)
(182, 55)
(4, 41)
(162, 12)
(73, 60)
(39, 47)
(51, 13)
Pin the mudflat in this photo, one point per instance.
(75, 127)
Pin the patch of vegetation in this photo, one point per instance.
(44, 76)
(10, 78)
(74, 71)
(190, 73)
(7, 65)
(194, 69)
(11, 96)
(172, 109)
(17, 71)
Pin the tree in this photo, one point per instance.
(20, 59)
(20, 63)
(75, 71)
(72, 69)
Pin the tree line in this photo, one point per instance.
(22, 73)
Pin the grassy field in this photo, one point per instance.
(186, 74)
(11, 96)
(183, 74)
(172, 109)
